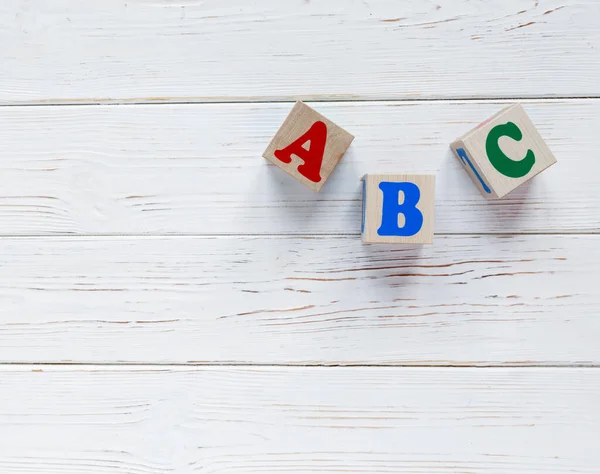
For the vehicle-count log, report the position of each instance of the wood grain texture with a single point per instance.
(274, 291)
(161, 50)
(522, 300)
(302, 420)
(197, 169)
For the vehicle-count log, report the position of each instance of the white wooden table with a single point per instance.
(170, 303)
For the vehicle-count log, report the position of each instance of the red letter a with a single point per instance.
(313, 157)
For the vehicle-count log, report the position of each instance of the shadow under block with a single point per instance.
(308, 146)
(503, 152)
(398, 208)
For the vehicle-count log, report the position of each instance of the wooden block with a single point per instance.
(398, 208)
(308, 146)
(503, 152)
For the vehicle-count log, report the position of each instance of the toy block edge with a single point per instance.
(479, 178)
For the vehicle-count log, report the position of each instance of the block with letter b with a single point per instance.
(503, 152)
(308, 146)
(398, 208)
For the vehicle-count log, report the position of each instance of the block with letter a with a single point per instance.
(398, 208)
(308, 146)
(503, 152)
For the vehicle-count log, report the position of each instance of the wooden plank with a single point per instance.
(523, 300)
(159, 50)
(197, 169)
(302, 420)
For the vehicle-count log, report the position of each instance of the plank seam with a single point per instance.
(106, 102)
(290, 235)
(292, 365)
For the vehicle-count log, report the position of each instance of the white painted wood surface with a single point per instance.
(99, 420)
(189, 50)
(197, 169)
(466, 300)
(151, 232)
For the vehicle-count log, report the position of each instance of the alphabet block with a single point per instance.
(308, 146)
(398, 208)
(503, 152)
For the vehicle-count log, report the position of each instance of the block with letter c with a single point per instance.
(503, 152)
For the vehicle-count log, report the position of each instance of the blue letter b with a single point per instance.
(413, 218)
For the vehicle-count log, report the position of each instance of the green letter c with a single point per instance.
(506, 166)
